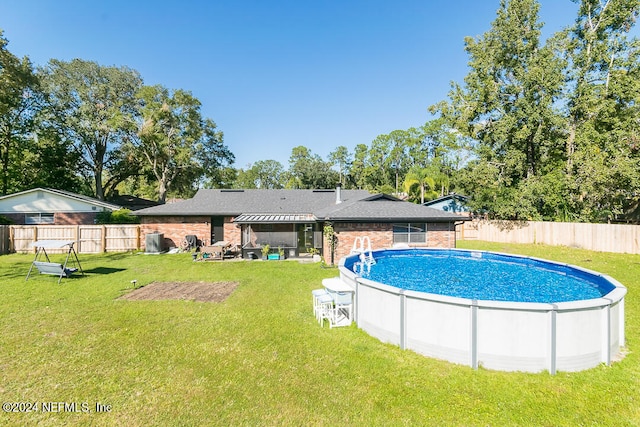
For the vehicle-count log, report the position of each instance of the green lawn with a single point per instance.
(260, 358)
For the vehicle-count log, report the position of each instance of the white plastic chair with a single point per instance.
(341, 313)
(322, 304)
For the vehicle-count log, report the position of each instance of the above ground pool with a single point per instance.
(478, 308)
(484, 276)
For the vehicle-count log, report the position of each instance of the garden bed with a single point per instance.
(192, 291)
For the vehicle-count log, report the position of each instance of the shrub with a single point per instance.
(5, 221)
(121, 216)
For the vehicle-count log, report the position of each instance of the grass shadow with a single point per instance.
(14, 274)
(104, 270)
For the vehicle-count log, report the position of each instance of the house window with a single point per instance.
(410, 233)
(38, 218)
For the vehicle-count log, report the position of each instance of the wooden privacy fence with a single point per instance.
(90, 239)
(4, 239)
(621, 238)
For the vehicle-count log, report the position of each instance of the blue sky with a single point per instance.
(275, 74)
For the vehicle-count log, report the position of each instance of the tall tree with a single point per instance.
(48, 162)
(262, 174)
(308, 170)
(246, 178)
(508, 102)
(419, 177)
(20, 98)
(340, 157)
(594, 43)
(379, 171)
(602, 153)
(212, 156)
(93, 108)
(440, 143)
(179, 147)
(356, 168)
(399, 155)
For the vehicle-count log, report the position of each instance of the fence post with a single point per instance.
(12, 236)
(104, 238)
(35, 238)
(4, 239)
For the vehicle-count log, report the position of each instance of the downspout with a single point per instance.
(455, 225)
(332, 236)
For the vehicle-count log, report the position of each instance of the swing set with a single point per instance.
(54, 268)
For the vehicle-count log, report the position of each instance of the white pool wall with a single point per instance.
(505, 336)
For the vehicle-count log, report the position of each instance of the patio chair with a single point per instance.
(324, 308)
(191, 241)
(319, 298)
(232, 251)
(341, 313)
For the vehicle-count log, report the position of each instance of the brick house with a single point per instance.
(51, 206)
(294, 220)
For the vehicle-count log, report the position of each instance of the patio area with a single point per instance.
(291, 240)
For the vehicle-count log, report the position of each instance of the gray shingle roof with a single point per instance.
(356, 205)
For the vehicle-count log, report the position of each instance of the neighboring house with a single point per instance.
(294, 220)
(50, 206)
(453, 203)
(132, 203)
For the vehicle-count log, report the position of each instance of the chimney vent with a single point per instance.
(338, 193)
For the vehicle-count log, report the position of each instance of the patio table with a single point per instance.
(335, 284)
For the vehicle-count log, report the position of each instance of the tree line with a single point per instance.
(416, 163)
(97, 130)
(554, 124)
(539, 129)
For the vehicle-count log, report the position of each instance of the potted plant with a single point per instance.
(315, 253)
(281, 252)
(265, 251)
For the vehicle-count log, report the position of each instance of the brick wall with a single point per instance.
(74, 218)
(60, 218)
(380, 234)
(439, 235)
(175, 228)
(232, 232)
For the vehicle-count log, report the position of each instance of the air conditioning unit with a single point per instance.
(154, 243)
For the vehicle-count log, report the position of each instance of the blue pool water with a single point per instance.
(483, 276)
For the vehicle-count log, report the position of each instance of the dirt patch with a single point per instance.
(192, 291)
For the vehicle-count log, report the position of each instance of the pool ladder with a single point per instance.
(362, 247)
